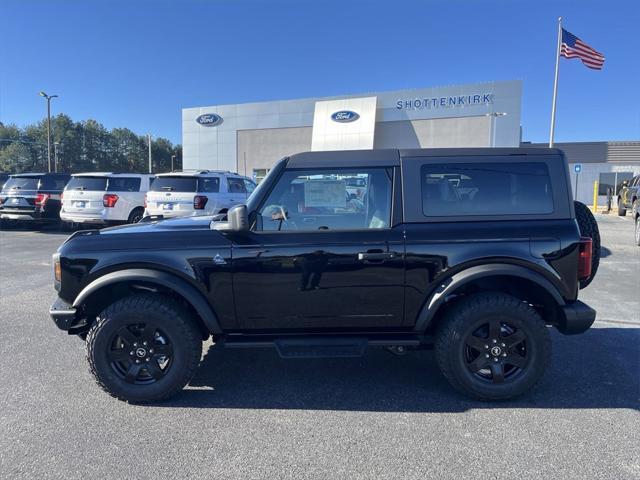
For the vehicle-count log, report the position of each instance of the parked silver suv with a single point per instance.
(199, 192)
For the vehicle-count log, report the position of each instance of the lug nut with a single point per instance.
(502, 344)
(486, 355)
(151, 350)
(135, 344)
(495, 359)
(144, 343)
(486, 346)
(146, 360)
(137, 361)
(131, 352)
(494, 341)
(504, 354)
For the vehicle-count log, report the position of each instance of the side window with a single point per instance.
(463, 189)
(235, 185)
(249, 186)
(311, 200)
(123, 184)
(209, 184)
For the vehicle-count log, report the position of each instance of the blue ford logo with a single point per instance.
(345, 116)
(209, 119)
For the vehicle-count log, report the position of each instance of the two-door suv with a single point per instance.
(475, 252)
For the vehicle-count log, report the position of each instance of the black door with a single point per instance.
(322, 257)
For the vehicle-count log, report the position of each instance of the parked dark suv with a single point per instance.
(32, 197)
(475, 252)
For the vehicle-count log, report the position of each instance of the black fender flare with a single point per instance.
(164, 279)
(447, 286)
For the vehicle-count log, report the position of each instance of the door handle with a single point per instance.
(374, 256)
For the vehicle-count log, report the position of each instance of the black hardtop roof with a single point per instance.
(391, 157)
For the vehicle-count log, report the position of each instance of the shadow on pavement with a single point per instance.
(599, 369)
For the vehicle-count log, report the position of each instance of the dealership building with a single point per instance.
(248, 138)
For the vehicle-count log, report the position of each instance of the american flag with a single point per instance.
(573, 47)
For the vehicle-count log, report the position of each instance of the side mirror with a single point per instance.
(238, 218)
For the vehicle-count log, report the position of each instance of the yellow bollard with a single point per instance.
(595, 197)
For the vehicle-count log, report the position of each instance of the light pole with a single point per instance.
(55, 156)
(173, 157)
(48, 97)
(150, 164)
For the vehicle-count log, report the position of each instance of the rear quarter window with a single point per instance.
(209, 184)
(486, 189)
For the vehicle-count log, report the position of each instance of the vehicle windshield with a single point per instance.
(174, 184)
(87, 183)
(22, 183)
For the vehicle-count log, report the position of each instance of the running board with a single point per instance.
(320, 346)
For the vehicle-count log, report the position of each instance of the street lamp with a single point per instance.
(48, 97)
(173, 157)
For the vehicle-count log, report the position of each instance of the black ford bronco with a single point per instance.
(472, 252)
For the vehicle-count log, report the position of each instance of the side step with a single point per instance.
(321, 346)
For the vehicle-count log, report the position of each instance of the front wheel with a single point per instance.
(492, 346)
(143, 348)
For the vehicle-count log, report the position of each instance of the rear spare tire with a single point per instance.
(589, 228)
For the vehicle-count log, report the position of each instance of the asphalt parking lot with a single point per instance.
(249, 414)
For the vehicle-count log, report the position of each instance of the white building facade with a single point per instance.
(249, 138)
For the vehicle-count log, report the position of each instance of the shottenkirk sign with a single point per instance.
(445, 102)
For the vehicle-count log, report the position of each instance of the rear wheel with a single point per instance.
(143, 348)
(589, 228)
(492, 346)
(136, 215)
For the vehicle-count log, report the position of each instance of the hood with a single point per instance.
(172, 234)
(200, 222)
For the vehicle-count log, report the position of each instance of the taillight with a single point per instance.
(109, 200)
(199, 201)
(585, 253)
(41, 199)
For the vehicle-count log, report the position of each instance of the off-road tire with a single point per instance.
(136, 215)
(172, 319)
(464, 317)
(589, 228)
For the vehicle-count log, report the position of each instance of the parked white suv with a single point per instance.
(201, 192)
(104, 198)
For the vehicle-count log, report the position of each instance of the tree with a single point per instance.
(16, 158)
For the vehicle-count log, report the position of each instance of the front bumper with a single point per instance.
(575, 317)
(63, 314)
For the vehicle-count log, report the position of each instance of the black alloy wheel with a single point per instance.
(141, 353)
(496, 352)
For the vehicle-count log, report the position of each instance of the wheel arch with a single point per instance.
(516, 280)
(118, 284)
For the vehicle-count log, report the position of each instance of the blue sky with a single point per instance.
(136, 63)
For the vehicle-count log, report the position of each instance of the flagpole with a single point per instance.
(555, 84)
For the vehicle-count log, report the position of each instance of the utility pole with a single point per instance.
(48, 97)
(173, 157)
(55, 156)
(150, 164)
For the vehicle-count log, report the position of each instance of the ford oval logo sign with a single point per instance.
(209, 119)
(345, 116)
